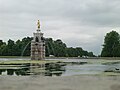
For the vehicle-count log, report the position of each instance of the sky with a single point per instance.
(78, 23)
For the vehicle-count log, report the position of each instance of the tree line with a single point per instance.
(53, 47)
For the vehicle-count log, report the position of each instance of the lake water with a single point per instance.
(68, 67)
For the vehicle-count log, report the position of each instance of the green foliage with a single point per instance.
(53, 47)
(15, 48)
(59, 49)
(78, 51)
(111, 47)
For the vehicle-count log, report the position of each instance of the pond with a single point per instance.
(67, 67)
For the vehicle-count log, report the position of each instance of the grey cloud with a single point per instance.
(77, 22)
(98, 12)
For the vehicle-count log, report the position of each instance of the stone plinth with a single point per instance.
(38, 46)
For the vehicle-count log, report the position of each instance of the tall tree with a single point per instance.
(111, 44)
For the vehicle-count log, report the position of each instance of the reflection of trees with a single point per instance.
(22, 71)
(54, 69)
(37, 69)
(10, 72)
(16, 71)
(2, 70)
(58, 74)
(48, 69)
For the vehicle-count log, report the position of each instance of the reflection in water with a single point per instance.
(36, 69)
(54, 69)
(48, 69)
(60, 69)
(17, 72)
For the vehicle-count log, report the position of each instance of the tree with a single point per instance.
(59, 48)
(56, 48)
(49, 48)
(79, 51)
(111, 44)
(1, 43)
(70, 52)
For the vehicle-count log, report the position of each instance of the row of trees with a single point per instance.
(111, 46)
(53, 47)
(59, 49)
(12, 48)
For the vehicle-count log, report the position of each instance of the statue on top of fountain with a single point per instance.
(38, 24)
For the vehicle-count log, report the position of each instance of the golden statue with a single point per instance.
(38, 24)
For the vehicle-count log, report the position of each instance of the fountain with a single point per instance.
(25, 49)
(38, 45)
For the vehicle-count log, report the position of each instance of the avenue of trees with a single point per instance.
(111, 46)
(53, 47)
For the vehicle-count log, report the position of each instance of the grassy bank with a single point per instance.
(27, 61)
(14, 56)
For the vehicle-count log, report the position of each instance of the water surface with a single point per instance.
(68, 67)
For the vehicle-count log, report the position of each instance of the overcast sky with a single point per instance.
(82, 23)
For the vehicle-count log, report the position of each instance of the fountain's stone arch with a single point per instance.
(38, 45)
